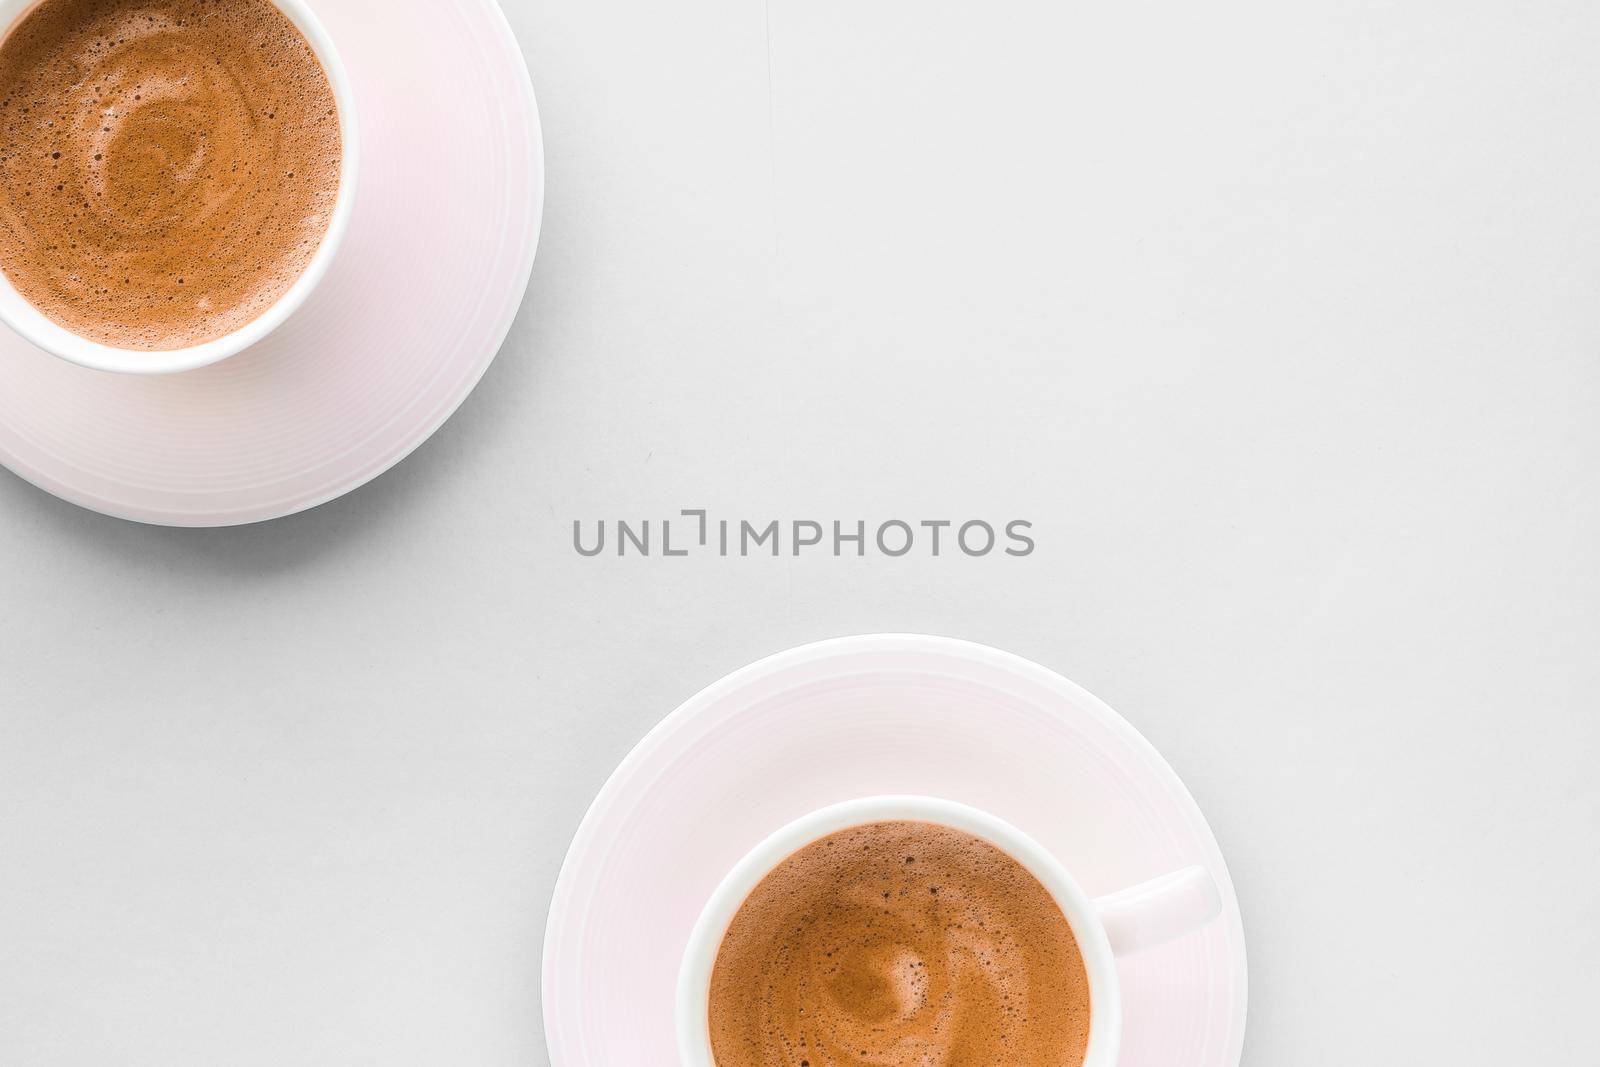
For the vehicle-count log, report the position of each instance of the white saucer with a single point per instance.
(421, 296)
(858, 717)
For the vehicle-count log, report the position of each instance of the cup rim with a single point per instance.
(694, 975)
(32, 324)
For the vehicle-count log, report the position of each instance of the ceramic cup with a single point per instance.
(57, 340)
(1141, 917)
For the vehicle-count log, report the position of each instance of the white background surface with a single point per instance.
(1278, 320)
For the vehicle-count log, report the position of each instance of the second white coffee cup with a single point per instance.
(1143, 916)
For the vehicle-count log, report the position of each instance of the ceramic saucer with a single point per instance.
(859, 717)
(415, 307)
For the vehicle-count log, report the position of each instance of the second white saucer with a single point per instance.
(859, 717)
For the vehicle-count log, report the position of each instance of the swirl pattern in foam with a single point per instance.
(168, 168)
(899, 944)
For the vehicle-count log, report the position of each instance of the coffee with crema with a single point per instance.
(899, 944)
(168, 168)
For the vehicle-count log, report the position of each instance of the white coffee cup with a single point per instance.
(1141, 917)
(32, 324)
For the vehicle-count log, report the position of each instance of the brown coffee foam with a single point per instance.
(168, 168)
(899, 944)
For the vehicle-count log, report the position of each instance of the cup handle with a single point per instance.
(1161, 910)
